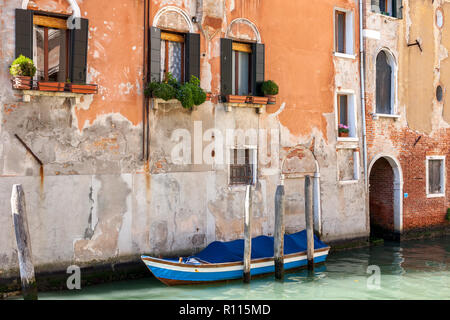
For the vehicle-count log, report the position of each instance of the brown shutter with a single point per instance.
(155, 54)
(257, 68)
(192, 63)
(226, 66)
(79, 47)
(24, 33)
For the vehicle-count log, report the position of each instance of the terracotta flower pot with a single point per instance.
(208, 96)
(51, 86)
(259, 100)
(22, 83)
(343, 134)
(272, 99)
(82, 88)
(236, 99)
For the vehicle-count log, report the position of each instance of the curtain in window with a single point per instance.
(434, 176)
(175, 59)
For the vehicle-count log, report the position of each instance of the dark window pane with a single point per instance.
(383, 84)
(340, 32)
(343, 109)
(434, 176)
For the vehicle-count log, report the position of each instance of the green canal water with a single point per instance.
(418, 269)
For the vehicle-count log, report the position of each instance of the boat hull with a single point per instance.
(173, 273)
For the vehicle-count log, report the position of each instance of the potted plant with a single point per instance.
(81, 88)
(259, 100)
(189, 94)
(236, 99)
(22, 71)
(270, 90)
(343, 130)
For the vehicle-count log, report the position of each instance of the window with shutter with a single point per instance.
(175, 53)
(346, 115)
(242, 68)
(59, 53)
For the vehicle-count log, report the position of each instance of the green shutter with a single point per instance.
(24, 33)
(257, 68)
(155, 54)
(79, 46)
(226, 66)
(192, 56)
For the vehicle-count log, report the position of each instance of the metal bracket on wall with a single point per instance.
(416, 44)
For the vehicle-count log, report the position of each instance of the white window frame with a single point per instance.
(352, 115)
(349, 34)
(356, 170)
(394, 87)
(443, 177)
(254, 154)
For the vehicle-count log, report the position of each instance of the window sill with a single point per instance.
(230, 105)
(436, 195)
(345, 55)
(27, 94)
(376, 116)
(345, 182)
(386, 16)
(349, 139)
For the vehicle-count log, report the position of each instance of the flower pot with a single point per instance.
(82, 88)
(343, 134)
(50, 86)
(271, 99)
(22, 83)
(259, 100)
(236, 99)
(208, 96)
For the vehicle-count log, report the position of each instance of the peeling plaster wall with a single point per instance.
(96, 201)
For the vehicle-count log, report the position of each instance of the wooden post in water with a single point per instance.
(309, 223)
(19, 215)
(279, 232)
(247, 233)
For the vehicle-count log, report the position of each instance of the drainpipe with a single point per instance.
(363, 92)
(75, 8)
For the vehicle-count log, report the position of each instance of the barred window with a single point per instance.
(242, 166)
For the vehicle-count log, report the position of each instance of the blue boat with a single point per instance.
(223, 261)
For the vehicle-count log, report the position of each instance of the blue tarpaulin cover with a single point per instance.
(262, 247)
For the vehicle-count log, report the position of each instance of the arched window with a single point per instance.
(384, 84)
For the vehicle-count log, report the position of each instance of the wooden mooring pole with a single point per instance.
(247, 234)
(279, 232)
(309, 223)
(19, 215)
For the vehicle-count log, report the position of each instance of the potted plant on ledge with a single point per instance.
(22, 71)
(343, 130)
(189, 94)
(270, 90)
(81, 88)
(236, 99)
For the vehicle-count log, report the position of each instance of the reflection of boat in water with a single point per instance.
(222, 261)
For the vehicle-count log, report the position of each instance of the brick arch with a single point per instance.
(246, 23)
(386, 193)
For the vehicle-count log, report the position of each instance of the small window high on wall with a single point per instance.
(392, 8)
(241, 68)
(343, 33)
(172, 55)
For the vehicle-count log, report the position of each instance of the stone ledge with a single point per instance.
(27, 94)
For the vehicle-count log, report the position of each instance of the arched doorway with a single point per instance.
(385, 198)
